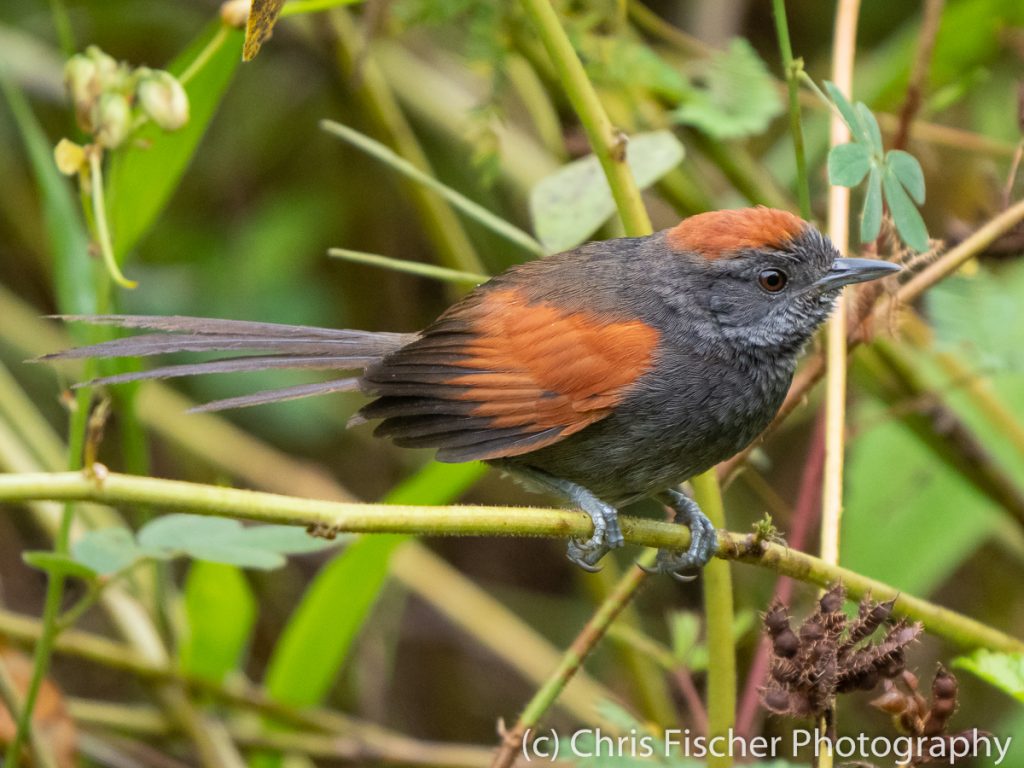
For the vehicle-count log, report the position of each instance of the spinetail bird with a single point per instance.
(605, 374)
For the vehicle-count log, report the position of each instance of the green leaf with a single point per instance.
(321, 631)
(908, 171)
(874, 133)
(930, 498)
(570, 204)
(848, 164)
(905, 215)
(848, 114)
(106, 550)
(220, 611)
(222, 540)
(58, 565)
(871, 215)
(1005, 671)
(72, 264)
(684, 629)
(145, 171)
(981, 320)
(318, 637)
(626, 63)
(739, 97)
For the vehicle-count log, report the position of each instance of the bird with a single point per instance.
(605, 374)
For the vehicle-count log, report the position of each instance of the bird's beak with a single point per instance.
(846, 271)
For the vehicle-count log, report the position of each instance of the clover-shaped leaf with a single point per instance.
(895, 176)
(213, 539)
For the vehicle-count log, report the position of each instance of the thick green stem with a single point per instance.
(481, 521)
(721, 641)
(609, 144)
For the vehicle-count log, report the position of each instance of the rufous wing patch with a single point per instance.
(720, 234)
(525, 375)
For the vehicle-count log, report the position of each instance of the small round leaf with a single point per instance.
(848, 164)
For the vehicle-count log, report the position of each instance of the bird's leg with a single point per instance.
(607, 534)
(703, 538)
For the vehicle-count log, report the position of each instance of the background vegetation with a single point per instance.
(412, 649)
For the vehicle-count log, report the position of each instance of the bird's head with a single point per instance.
(765, 277)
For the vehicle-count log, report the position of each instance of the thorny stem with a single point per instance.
(480, 521)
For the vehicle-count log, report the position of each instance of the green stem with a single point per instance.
(792, 69)
(99, 207)
(572, 660)
(54, 587)
(466, 520)
(608, 144)
(62, 23)
(359, 65)
(297, 7)
(410, 267)
(205, 55)
(472, 209)
(721, 640)
(11, 699)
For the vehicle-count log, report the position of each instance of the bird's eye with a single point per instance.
(772, 280)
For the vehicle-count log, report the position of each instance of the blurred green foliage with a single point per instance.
(232, 218)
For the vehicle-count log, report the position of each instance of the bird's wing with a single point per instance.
(498, 376)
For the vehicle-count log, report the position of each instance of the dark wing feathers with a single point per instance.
(499, 376)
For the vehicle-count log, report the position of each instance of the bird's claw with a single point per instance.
(685, 566)
(584, 555)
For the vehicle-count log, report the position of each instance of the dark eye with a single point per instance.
(772, 280)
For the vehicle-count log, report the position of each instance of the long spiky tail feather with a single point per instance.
(275, 346)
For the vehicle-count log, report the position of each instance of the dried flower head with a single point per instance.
(927, 721)
(830, 654)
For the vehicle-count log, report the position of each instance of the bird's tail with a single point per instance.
(264, 346)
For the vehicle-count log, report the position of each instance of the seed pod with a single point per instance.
(112, 120)
(161, 97)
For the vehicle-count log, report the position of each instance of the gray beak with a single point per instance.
(846, 271)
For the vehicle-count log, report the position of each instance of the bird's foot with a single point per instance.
(686, 565)
(607, 534)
